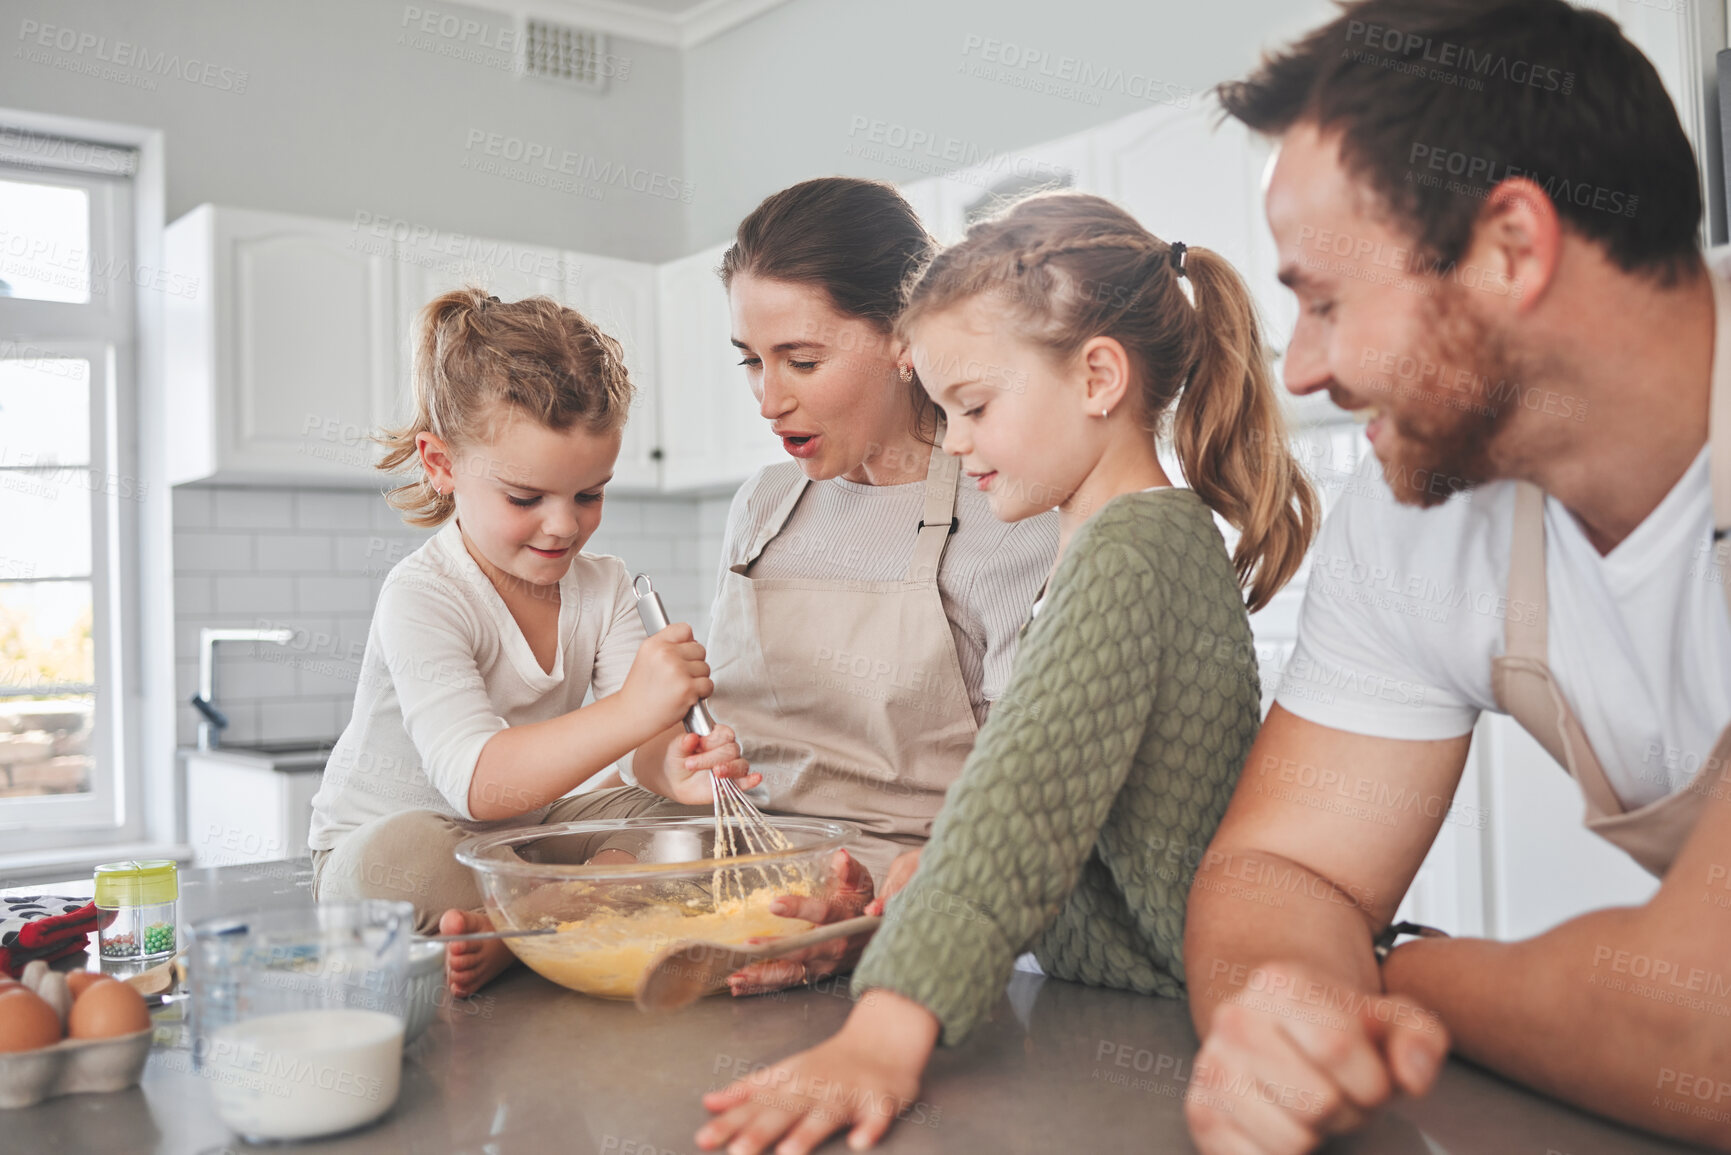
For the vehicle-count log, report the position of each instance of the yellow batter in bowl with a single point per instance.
(612, 919)
(607, 953)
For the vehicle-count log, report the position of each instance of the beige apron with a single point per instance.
(847, 695)
(1521, 680)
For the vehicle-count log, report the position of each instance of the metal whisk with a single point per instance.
(740, 827)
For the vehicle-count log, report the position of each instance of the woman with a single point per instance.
(869, 603)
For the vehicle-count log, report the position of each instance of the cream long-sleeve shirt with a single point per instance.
(446, 667)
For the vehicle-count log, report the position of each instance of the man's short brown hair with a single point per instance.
(1438, 101)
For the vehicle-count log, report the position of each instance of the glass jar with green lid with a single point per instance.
(135, 906)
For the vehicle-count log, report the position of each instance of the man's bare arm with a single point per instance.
(1625, 1012)
(1324, 834)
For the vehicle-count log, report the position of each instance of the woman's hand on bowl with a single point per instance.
(900, 873)
(692, 760)
(848, 896)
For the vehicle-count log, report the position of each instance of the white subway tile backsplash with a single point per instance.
(253, 509)
(192, 509)
(313, 559)
(240, 676)
(192, 593)
(667, 518)
(332, 510)
(294, 552)
(385, 517)
(621, 515)
(336, 594)
(286, 720)
(214, 552)
(253, 595)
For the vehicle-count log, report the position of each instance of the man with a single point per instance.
(1488, 212)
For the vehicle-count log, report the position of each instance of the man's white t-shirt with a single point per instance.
(1406, 607)
(446, 667)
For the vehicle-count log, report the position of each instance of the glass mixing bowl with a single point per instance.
(657, 883)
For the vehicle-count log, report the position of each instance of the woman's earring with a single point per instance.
(1103, 412)
(906, 373)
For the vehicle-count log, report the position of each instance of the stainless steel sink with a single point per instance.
(276, 749)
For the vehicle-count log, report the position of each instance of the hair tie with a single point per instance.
(1175, 253)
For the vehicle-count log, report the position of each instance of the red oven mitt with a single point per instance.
(42, 926)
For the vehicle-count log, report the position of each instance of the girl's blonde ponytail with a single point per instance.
(1230, 435)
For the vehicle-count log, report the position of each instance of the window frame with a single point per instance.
(135, 798)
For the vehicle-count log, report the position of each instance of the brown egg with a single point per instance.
(106, 1009)
(80, 981)
(26, 1022)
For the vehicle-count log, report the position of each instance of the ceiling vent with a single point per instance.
(574, 57)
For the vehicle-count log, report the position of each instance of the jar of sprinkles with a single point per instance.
(135, 908)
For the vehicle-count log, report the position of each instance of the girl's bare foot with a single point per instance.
(469, 966)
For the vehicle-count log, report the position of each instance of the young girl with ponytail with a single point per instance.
(1059, 341)
(469, 712)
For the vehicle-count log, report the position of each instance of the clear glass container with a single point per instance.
(297, 1015)
(135, 911)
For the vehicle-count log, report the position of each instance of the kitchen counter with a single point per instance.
(527, 1067)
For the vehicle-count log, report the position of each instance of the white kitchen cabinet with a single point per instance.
(620, 297)
(243, 807)
(282, 361)
(712, 435)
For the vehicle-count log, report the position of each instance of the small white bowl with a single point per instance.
(425, 988)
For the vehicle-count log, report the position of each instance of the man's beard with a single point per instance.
(1444, 433)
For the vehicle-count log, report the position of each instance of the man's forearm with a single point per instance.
(523, 768)
(1248, 909)
(1597, 1012)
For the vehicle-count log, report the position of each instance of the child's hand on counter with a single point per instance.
(862, 1079)
(690, 760)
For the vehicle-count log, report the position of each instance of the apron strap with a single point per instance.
(773, 524)
(1525, 635)
(938, 517)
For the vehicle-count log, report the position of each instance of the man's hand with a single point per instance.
(690, 761)
(1290, 1060)
(900, 873)
(848, 895)
(861, 1079)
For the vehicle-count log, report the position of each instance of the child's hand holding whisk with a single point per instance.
(668, 677)
(693, 762)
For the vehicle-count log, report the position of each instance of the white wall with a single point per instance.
(341, 113)
(782, 98)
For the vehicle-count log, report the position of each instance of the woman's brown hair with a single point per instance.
(475, 354)
(1069, 267)
(859, 241)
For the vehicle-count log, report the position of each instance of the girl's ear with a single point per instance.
(1106, 375)
(436, 460)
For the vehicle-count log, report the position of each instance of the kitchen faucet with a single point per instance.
(214, 721)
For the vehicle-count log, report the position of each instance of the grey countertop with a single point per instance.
(528, 1067)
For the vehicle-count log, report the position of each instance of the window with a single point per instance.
(68, 491)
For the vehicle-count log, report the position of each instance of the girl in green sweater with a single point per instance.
(1058, 338)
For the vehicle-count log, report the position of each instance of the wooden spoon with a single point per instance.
(158, 980)
(686, 971)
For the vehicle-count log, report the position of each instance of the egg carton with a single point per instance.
(71, 1067)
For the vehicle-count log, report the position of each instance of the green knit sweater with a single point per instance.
(1097, 781)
